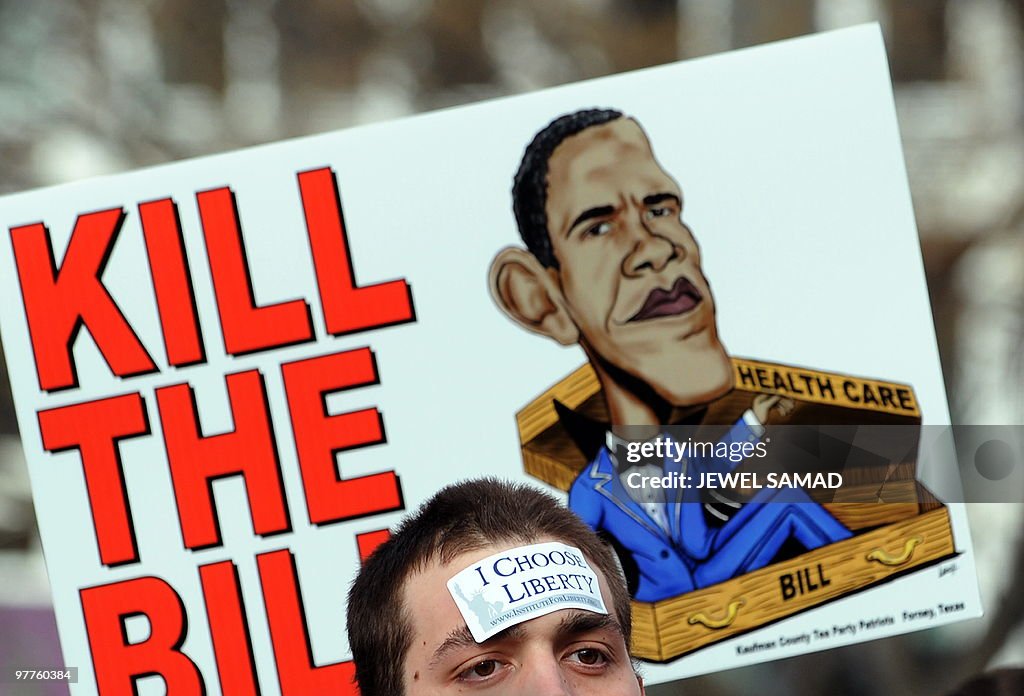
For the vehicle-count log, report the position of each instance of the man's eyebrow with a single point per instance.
(656, 198)
(461, 638)
(458, 638)
(581, 622)
(590, 213)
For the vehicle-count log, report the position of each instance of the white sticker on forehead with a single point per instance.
(523, 583)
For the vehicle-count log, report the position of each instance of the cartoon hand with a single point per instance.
(764, 403)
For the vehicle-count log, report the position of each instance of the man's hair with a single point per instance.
(530, 186)
(459, 519)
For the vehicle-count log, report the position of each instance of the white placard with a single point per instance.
(234, 374)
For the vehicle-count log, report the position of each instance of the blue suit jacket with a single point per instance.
(602, 501)
(666, 561)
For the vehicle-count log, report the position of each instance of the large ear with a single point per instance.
(528, 294)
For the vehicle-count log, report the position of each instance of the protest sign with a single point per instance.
(234, 375)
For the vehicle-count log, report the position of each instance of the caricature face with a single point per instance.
(565, 653)
(629, 268)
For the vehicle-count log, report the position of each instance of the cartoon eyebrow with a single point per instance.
(462, 638)
(589, 214)
(581, 622)
(656, 198)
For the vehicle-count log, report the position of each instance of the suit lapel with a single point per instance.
(606, 482)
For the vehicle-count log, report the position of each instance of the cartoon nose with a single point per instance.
(651, 251)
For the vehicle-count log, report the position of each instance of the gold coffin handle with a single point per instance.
(726, 621)
(885, 558)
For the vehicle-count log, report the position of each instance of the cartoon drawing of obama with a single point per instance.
(611, 266)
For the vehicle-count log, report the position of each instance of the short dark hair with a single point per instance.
(459, 519)
(530, 185)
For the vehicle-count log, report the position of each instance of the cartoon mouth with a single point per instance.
(679, 299)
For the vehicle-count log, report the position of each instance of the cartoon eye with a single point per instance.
(659, 211)
(598, 230)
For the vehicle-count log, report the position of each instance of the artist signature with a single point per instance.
(947, 570)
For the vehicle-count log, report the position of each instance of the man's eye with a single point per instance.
(598, 230)
(480, 671)
(660, 211)
(591, 657)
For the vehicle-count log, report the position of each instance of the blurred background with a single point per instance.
(91, 87)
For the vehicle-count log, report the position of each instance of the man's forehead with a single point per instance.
(611, 154)
(596, 144)
(431, 605)
(427, 587)
(622, 132)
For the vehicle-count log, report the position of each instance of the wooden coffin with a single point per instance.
(898, 525)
